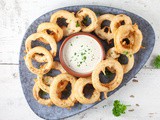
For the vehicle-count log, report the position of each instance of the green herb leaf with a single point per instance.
(85, 20)
(125, 52)
(84, 57)
(78, 65)
(77, 24)
(119, 108)
(156, 62)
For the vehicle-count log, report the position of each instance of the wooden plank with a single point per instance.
(17, 15)
(146, 93)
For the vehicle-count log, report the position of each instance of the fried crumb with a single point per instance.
(15, 75)
(131, 110)
(83, 116)
(132, 96)
(152, 113)
(134, 80)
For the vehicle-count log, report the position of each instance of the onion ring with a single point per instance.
(78, 91)
(48, 38)
(70, 19)
(131, 33)
(111, 63)
(36, 90)
(81, 14)
(51, 29)
(46, 67)
(111, 53)
(118, 21)
(45, 86)
(64, 103)
(101, 31)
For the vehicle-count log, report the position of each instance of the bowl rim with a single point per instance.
(69, 70)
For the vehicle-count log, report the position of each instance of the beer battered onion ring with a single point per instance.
(36, 90)
(111, 53)
(101, 31)
(51, 29)
(46, 67)
(111, 63)
(78, 91)
(64, 103)
(81, 14)
(48, 38)
(131, 33)
(71, 20)
(42, 80)
(119, 20)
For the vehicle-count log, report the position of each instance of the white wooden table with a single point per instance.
(17, 15)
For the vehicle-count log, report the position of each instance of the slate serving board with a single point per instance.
(26, 77)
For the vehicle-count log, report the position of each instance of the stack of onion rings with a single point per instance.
(51, 33)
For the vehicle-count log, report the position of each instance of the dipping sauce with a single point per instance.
(81, 53)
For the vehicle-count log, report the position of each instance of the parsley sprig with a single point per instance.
(119, 108)
(156, 62)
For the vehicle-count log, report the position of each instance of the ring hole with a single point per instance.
(62, 22)
(37, 64)
(106, 30)
(86, 21)
(122, 22)
(40, 43)
(123, 59)
(66, 92)
(106, 77)
(53, 72)
(126, 41)
(105, 23)
(88, 90)
(43, 94)
(50, 32)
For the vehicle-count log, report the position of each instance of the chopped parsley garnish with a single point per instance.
(71, 44)
(81, 45)
(156, 62)
(75, 53)
(119, 108)
(83, 53)
(130, 55)
(84, 57)
(78, 65)
(77, 24)
(85, 20)
(125, 52)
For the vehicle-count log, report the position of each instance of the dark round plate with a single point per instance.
(27, 77)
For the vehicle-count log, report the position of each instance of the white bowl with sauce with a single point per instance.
(80, 53)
